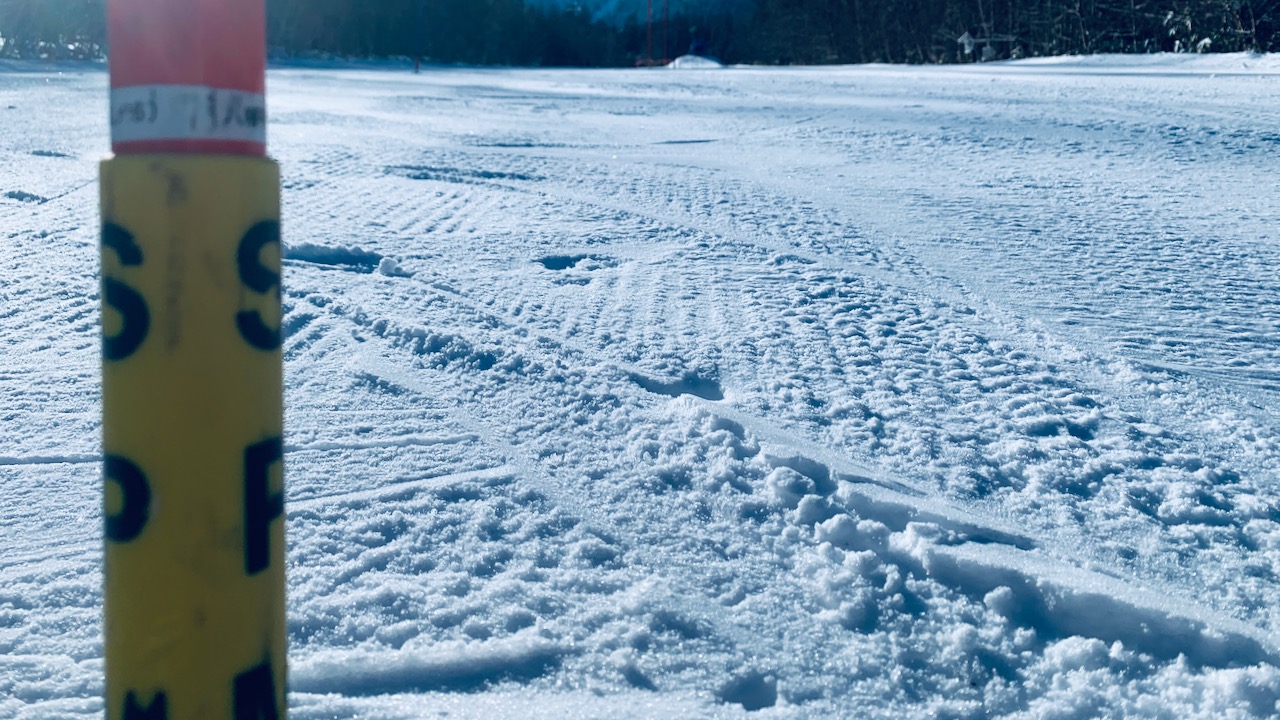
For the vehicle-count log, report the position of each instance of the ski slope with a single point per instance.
(885, 392)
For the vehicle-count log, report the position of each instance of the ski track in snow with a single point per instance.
(887, 392)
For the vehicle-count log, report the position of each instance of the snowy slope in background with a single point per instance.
(789, 393)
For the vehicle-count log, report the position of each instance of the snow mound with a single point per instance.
(695, 62)
(340, 256)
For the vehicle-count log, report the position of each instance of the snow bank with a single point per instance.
(694, 62)
(1155, 63)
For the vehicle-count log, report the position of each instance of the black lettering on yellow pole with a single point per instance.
(130, 304)
(157, 710)
(127, 525)
(260, 505)
(255, 694)
(260, 279)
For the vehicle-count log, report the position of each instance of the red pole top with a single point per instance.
(187, 76)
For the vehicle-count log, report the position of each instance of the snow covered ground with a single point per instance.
(784, 393)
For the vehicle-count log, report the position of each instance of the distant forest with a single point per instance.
(509, 32)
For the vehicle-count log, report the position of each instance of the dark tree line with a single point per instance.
(929, 31)
(509, 32)
(52, 28)
(502, 32)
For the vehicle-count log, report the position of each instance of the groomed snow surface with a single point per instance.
(886, 392)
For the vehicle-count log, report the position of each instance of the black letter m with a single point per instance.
(157, 710)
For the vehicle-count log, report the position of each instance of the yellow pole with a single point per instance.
(192, 381)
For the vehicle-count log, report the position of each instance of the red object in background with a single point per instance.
(187, 76)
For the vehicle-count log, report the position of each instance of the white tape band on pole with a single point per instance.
(187, 112)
